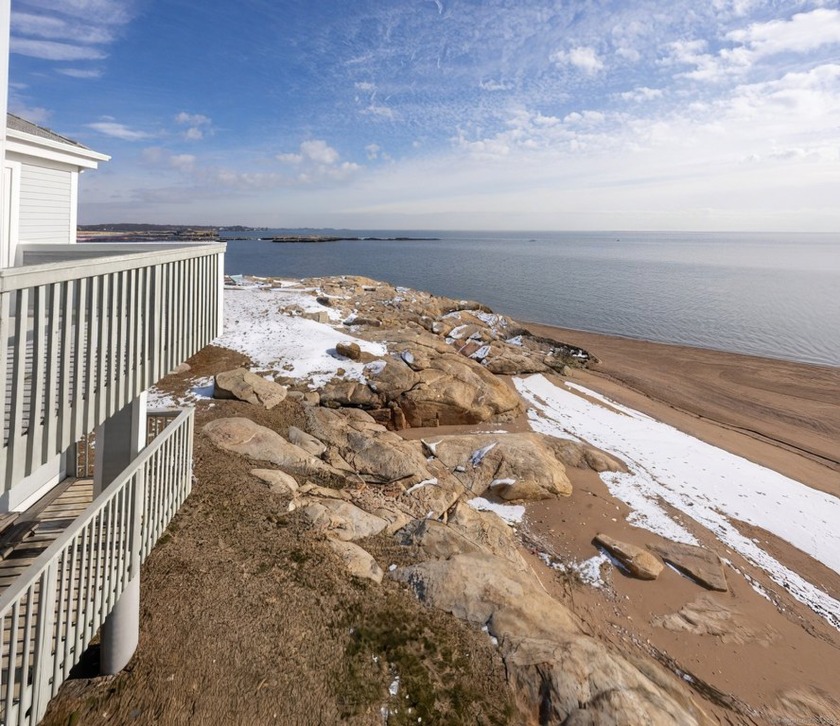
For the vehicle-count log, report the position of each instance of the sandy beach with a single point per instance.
(782, 415)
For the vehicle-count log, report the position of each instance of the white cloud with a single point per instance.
(50, 27)
(110, 12)
(365, 86)
(585, 58)
(80, 72)
(494, 86)
(52, 50)
(373, 151)
(317, 160)
(642, 93)
(193, 119)
(35, 114)
(119, 131)
(182, 162)
(803, 33)
(319, 151)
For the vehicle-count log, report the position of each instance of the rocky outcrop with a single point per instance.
(513, 466)
(638, 562)
(246, 386)
(258, 443)
(442, 367)
(561, 675)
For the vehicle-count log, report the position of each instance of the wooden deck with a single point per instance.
(32, 531)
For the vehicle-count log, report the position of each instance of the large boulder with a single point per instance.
(486, 590)
(457, 390)
(562, 675)
(514, 466)
(466, 530)
(249, 387)
(243, 436)
(377, 455)
(575, 681)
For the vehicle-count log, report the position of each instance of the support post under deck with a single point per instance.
(118, 441)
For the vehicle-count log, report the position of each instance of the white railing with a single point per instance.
(80, 339)
(50, 614)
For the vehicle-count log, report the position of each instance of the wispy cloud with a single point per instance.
(53, 50)
(119, 131)
(68, 30)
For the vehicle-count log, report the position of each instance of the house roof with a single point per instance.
(16, 123)
(30, 140)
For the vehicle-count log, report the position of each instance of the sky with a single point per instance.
(443, 114)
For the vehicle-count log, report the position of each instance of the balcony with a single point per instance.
(84, 330)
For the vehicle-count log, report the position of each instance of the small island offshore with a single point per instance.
(409, 508)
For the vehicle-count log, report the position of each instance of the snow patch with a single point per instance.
(510, 513)
(705, 483)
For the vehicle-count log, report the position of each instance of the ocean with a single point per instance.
(772, 295)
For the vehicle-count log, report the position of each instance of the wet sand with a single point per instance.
(770, 658)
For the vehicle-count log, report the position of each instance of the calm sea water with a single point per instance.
(766, 294)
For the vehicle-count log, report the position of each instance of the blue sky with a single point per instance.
(461, 114)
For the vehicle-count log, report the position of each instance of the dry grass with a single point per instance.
(247, 618)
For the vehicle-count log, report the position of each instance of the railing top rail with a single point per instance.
(113, 259)
(40, 564)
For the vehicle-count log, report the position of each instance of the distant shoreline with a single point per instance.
(317, 238)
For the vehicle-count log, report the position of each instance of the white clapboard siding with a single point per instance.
(46, 203)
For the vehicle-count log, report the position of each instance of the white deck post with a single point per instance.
(118, 441)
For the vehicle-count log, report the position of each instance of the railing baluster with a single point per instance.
(5, 299)
(38, 379)
(45, 633)
(65, 382)
(16, 463)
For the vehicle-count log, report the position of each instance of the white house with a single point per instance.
(85, 330)
(41, 181)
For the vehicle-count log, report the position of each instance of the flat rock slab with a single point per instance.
(249, 387)
(638, 562)
(699, 564)
(243, 436)
(707, 616)
(278, 481)
(343, 520)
